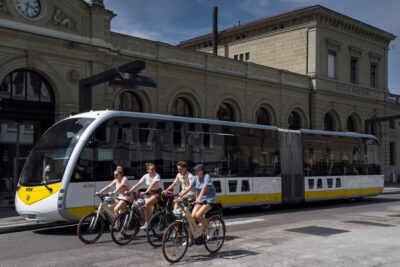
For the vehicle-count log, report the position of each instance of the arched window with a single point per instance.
(129, 101)
(226, 112)
(182, 107)
(263, 116)
(351, 125)
(328, 123)
(294, 120)
(26, 85)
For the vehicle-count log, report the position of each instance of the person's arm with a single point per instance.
(135, 186)
(106, 188)
(172, 186)
(204, 188)
(187, 190)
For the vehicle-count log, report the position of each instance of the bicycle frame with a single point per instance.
(196, 230)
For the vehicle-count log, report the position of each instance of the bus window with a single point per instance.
(232, 185)
(84, 168)
(372, 157)
(245, 186)
(217, 185)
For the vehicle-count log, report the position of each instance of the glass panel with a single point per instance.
(319, 183)
(338, 183)
(232, 184)
(45, 93)
(330, 182)
(245, 186)
(34, 84)
(310, 183)
(217, 185)
(18, 85)
(5, 87)
(51, 154)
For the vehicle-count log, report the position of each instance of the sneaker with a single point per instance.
(190, 243)
(210, 233)
(144, 226)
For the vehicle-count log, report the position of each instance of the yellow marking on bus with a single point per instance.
(80, 211)
(33, 194)
(249, 198)
(343, 192)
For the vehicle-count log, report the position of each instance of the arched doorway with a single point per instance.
(329, 124)
(182, 107)
(27, 110)
(263, 116)
(226, 112)
(294, 121)
(353, 123)
(129, 101)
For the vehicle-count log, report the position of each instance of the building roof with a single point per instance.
(278, 16)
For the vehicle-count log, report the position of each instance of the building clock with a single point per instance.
(29, 8)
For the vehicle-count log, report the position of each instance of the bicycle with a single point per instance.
(127, 224)
(92, 224)
(160, 220)
(176, 237)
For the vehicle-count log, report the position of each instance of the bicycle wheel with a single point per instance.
(90, 228)
(175, 242)
(214, 244)
(124, 228)
(155, 228)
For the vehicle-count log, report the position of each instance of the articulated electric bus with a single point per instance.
(250, 164)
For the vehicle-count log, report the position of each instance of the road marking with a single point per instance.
(244, 222)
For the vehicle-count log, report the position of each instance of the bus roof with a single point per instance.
(106, 114)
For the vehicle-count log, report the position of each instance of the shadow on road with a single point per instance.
(228, 255)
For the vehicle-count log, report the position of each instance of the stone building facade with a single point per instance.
(46, 50)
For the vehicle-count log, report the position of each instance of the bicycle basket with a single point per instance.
(109, 199)
(139, 202)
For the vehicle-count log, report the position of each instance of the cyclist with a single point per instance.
(205, 196)
(185, 179)
(121, 185)
(153, 192)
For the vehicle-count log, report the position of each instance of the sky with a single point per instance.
(172, 21)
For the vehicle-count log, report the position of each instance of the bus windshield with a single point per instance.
(49, 157)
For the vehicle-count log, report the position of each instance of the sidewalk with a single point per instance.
(10, 221)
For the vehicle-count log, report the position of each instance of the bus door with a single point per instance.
(291, 166)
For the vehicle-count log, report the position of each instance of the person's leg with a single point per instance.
(111, 206)
(200, 214)
(147, 207)
(120, 205)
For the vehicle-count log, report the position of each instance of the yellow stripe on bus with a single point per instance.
(249, 198)
(343, 193)
(33, 194)
(80, 211)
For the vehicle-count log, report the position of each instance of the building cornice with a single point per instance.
(292, 18)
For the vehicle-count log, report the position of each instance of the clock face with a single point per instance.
(28, 8)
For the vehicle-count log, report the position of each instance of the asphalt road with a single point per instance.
(338, 233)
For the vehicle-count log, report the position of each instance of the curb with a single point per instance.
(29, 226)
(391, 192)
